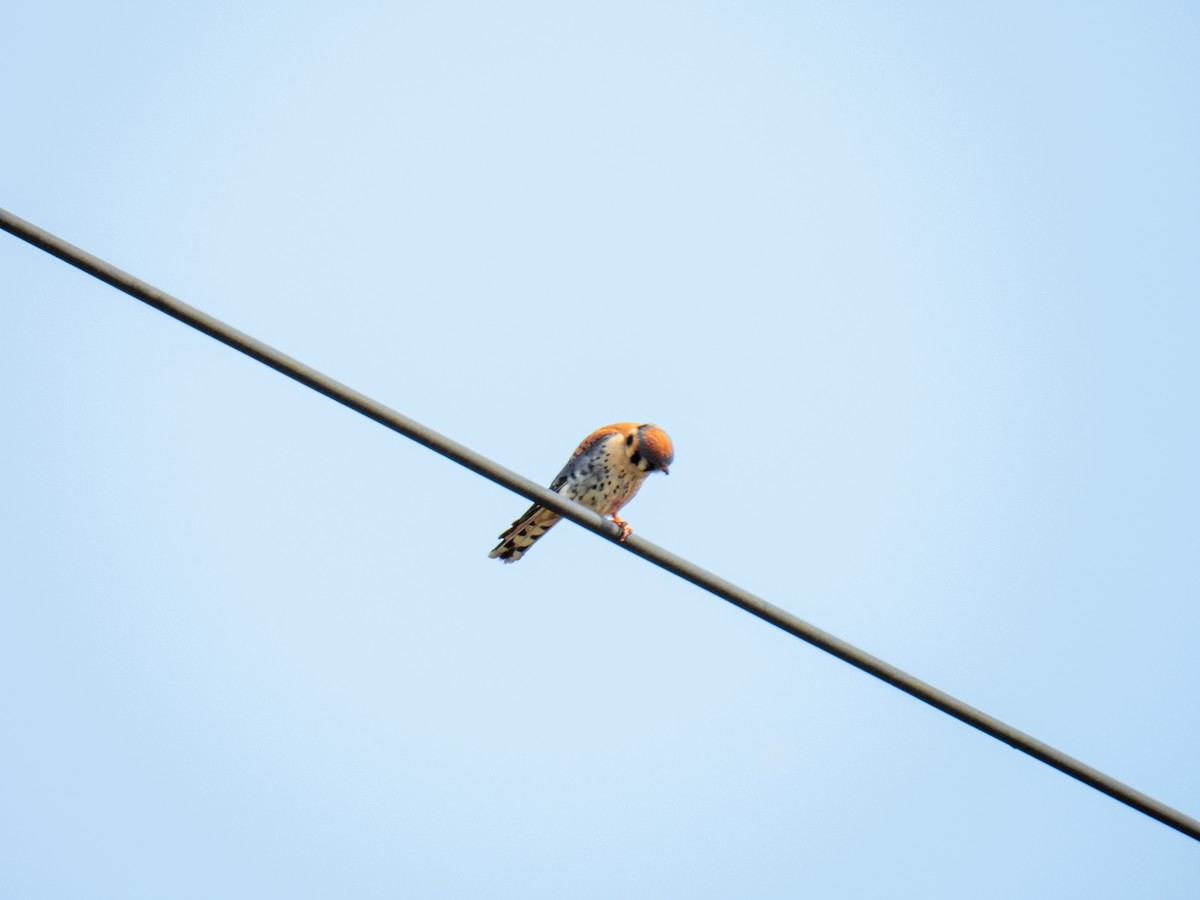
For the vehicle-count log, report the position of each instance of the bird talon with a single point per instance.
(626, 531)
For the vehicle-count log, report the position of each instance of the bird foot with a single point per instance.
(626, 531)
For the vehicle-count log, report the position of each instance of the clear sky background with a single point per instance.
(915, 288)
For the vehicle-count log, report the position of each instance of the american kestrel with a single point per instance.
(603, 474)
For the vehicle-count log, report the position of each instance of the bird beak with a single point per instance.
(664, 470)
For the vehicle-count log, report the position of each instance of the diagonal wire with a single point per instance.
(592, 521)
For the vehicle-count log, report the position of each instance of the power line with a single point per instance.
(590, 520)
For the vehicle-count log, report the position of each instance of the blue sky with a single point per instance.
(913, 289)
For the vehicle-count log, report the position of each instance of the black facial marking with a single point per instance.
(636, 457)
(629, 440)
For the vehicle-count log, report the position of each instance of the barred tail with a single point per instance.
(521, 536)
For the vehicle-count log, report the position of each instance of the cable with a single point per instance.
(592, 521)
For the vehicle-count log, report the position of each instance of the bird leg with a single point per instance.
(626, 531)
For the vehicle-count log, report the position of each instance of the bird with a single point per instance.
(603, 474)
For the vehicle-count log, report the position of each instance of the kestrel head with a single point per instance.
(649, 448)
